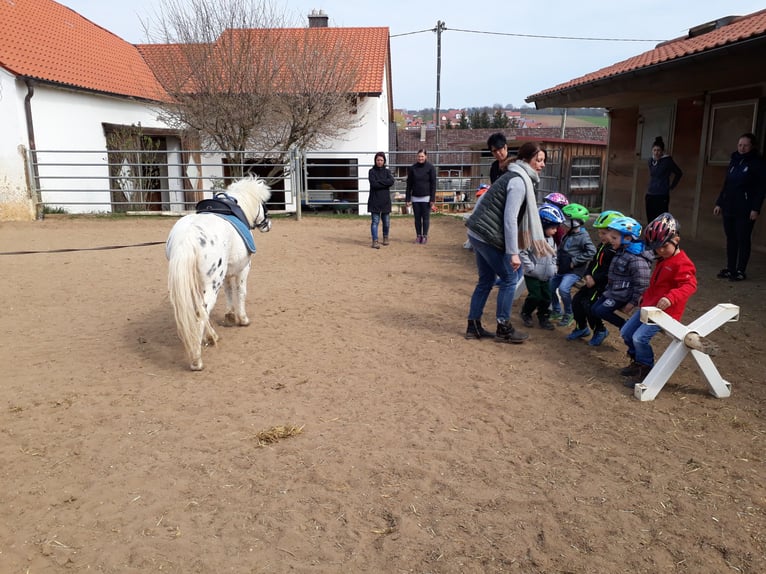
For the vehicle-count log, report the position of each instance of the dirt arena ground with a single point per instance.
(419, 451)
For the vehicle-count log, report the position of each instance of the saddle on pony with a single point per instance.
(223, 204)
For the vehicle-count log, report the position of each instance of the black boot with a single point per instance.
(507, 334)
(475, 330)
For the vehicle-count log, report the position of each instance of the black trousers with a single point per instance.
(422, 212)
(581, 304)
(738, 231)
(656, 205)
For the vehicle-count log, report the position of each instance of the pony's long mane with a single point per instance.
(250, 193)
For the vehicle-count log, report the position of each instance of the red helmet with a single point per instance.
(660, 231)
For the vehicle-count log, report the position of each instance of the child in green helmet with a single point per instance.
(574, 254)
(595, 282)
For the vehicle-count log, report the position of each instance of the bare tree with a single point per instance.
(243, 81)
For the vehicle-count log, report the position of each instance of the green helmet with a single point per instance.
(576, 211)
(606, 217)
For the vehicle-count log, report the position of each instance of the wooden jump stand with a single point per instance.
(686, 339)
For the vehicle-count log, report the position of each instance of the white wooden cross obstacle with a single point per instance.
(685, 339)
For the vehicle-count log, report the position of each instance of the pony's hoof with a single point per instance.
(244, 322)
(196, 366)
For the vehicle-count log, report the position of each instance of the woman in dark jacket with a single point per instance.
(739, 204)
(664, 176)
(379, 202)
(421, 194)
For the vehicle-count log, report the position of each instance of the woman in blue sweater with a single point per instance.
(739, 203)
(664, 176)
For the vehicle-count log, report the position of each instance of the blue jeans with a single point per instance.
(491, 263)
(637, 337)
(376, 217)
(564, 284)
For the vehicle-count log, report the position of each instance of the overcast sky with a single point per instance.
(491, 64)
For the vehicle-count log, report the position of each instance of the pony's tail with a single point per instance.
(185, 291)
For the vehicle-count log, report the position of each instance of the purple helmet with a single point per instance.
(557, 199)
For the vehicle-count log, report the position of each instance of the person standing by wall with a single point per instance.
(739, 203)
(379, 202)
(501, 225)
(421, 194)
(664, 176)
(498, 146)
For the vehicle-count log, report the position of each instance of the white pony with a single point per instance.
(206, 252)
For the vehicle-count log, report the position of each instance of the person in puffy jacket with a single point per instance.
(739, 204)
(628, 275)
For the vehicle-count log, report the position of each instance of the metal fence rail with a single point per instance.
(106, 181)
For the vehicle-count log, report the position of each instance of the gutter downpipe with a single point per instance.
(32, 148)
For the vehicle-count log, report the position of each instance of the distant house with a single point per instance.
(699, 92)
(68, 84)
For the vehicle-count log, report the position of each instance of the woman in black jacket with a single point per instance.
(739, 204)
(379, 202)
(421, 194)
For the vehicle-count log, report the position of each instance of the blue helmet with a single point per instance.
(550, 215)
(629, 228)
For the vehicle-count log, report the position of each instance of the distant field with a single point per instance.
(553, 121)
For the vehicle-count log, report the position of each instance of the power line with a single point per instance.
(540, 36)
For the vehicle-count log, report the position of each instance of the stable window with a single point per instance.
(727, 123)
(585, 175)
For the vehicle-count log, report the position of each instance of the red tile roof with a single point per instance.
(368, 46)
(740, 29)
(44, 40)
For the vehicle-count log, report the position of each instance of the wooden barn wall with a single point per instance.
(621, 160)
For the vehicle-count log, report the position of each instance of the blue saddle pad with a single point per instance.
(242, 229)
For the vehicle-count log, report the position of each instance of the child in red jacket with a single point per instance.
(673, 281)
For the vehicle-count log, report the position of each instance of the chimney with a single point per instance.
(318, 19)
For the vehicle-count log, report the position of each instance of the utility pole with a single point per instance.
(440, 27)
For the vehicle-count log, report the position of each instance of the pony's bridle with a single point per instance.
(265, 224)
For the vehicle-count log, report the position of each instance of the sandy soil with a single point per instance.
(419, 452)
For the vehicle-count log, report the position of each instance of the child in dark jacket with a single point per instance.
(574, 253)
(595, 283)
(628, 275)
(672, 283)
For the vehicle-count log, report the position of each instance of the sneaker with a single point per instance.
(424, 239)
(565, 321)
(546, 324)
(724, 274)
(527, 319)
(555, 316)
(598, 338)
(738, 276)
(578, 334)
(419, 239)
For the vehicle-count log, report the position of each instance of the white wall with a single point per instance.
(72, 121)
(15, 202)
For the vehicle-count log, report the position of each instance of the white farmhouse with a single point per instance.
(70, 89)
